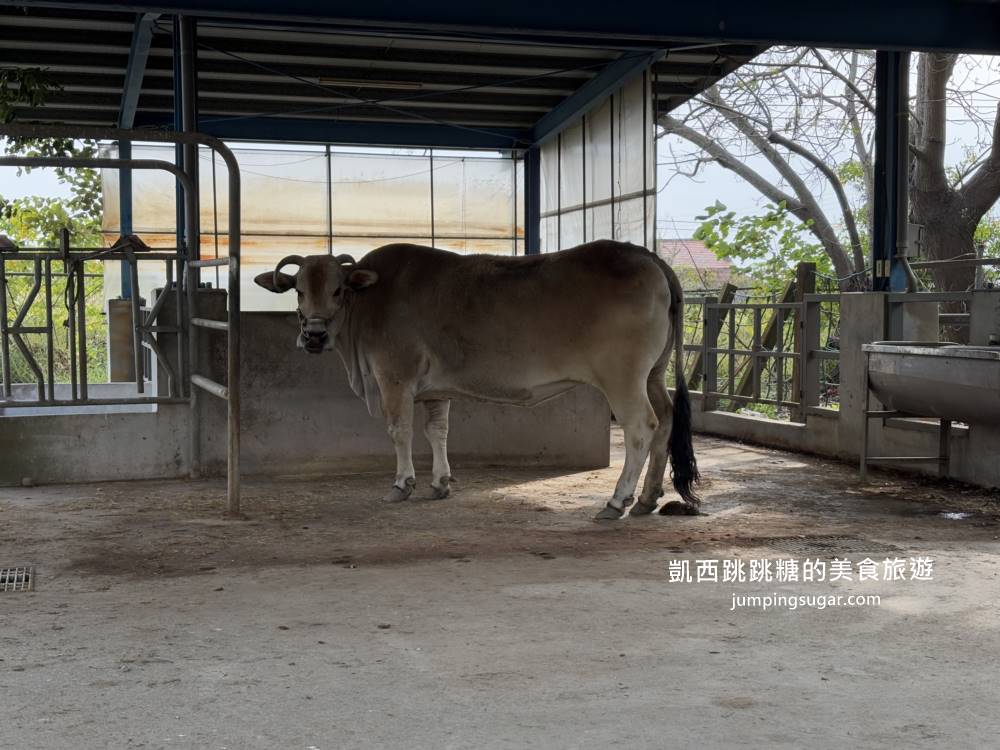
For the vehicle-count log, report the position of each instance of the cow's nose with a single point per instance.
(314, 335)
(315, 327)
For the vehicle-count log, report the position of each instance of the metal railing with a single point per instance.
(761, 353)
(782, 370)
(145, 328)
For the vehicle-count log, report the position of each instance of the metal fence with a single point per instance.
(751, 353)
(785, 354)
(68, 264)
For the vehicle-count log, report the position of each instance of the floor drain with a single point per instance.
(17, 579)
(820, 545)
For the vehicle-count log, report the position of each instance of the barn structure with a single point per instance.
(560, 101)
(573, 104)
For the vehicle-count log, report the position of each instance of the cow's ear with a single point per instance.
(267, 280)
(360, 278)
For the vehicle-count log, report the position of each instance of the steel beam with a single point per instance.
(929, 24)
(301, 130)
(612, 77)
(532, 201)
(889, 226)
(142, 38)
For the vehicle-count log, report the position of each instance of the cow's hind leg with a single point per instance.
(436, 430)
(638, 420)
(397, 403)
(652, 486)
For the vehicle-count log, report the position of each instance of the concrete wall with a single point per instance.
(298, 416)
(863, 319)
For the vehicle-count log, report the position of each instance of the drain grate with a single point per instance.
(17, 579)
(825, 544)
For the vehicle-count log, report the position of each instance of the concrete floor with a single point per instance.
(502, 617)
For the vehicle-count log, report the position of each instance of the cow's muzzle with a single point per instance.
(314, 338)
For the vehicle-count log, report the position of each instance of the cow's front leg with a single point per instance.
(436, 430)
(397, 402)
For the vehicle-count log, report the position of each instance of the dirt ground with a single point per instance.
(500, 617)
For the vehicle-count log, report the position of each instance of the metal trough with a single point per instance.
(949, 381)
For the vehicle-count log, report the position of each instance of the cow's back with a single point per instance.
(494, 322)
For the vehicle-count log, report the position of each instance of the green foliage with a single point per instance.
(851, 172)
(765, 248)
(36, 221)
(84, 184)
(20, 280)
(988, 234)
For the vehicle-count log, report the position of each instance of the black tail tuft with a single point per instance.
(683, 466)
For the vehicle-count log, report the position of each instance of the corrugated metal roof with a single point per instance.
(250, 70)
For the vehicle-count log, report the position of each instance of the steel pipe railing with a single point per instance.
(143, 330)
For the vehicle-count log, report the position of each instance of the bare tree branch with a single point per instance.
(728, 161)
(847, 81)
(819, 225)
(838, 189)
(860, 147)
(982, 189)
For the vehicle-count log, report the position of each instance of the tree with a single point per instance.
(36, 221)
(765, 249)
(798, 123)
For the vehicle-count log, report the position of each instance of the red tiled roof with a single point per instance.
(691, 254)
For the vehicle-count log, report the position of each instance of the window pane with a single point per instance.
(599, 223)
(571, 167)
(473, 197)
(571, 231)
(381, 194)
(549, 173)
(550, 234)
(629, 138)
(599, 153)
(629, 223)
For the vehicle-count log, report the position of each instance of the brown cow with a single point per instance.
(414, 324)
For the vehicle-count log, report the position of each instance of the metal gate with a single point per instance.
(183, 272)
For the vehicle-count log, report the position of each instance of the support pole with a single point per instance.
(184, 63)
(125, 211)
(890, 270)
(532, 201)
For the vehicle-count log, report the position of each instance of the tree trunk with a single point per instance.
(948, 230)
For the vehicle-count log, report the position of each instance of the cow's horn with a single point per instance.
(345, 260)
(286, 261)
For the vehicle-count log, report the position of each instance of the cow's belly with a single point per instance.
(496, 392)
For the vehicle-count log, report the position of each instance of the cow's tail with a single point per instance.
(683, 466)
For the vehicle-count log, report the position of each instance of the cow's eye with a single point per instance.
(337, 292)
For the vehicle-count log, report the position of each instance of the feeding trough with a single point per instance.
(950, 382)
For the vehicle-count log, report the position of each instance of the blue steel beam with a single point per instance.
(532, 201)
(899, 24)
(302, 130)
(613, 76)
(142, 38)
(890, 209)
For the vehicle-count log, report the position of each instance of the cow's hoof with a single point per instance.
(609, 513)
(641, 509)
(679, 508)
(399, 494)
(440, 493)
